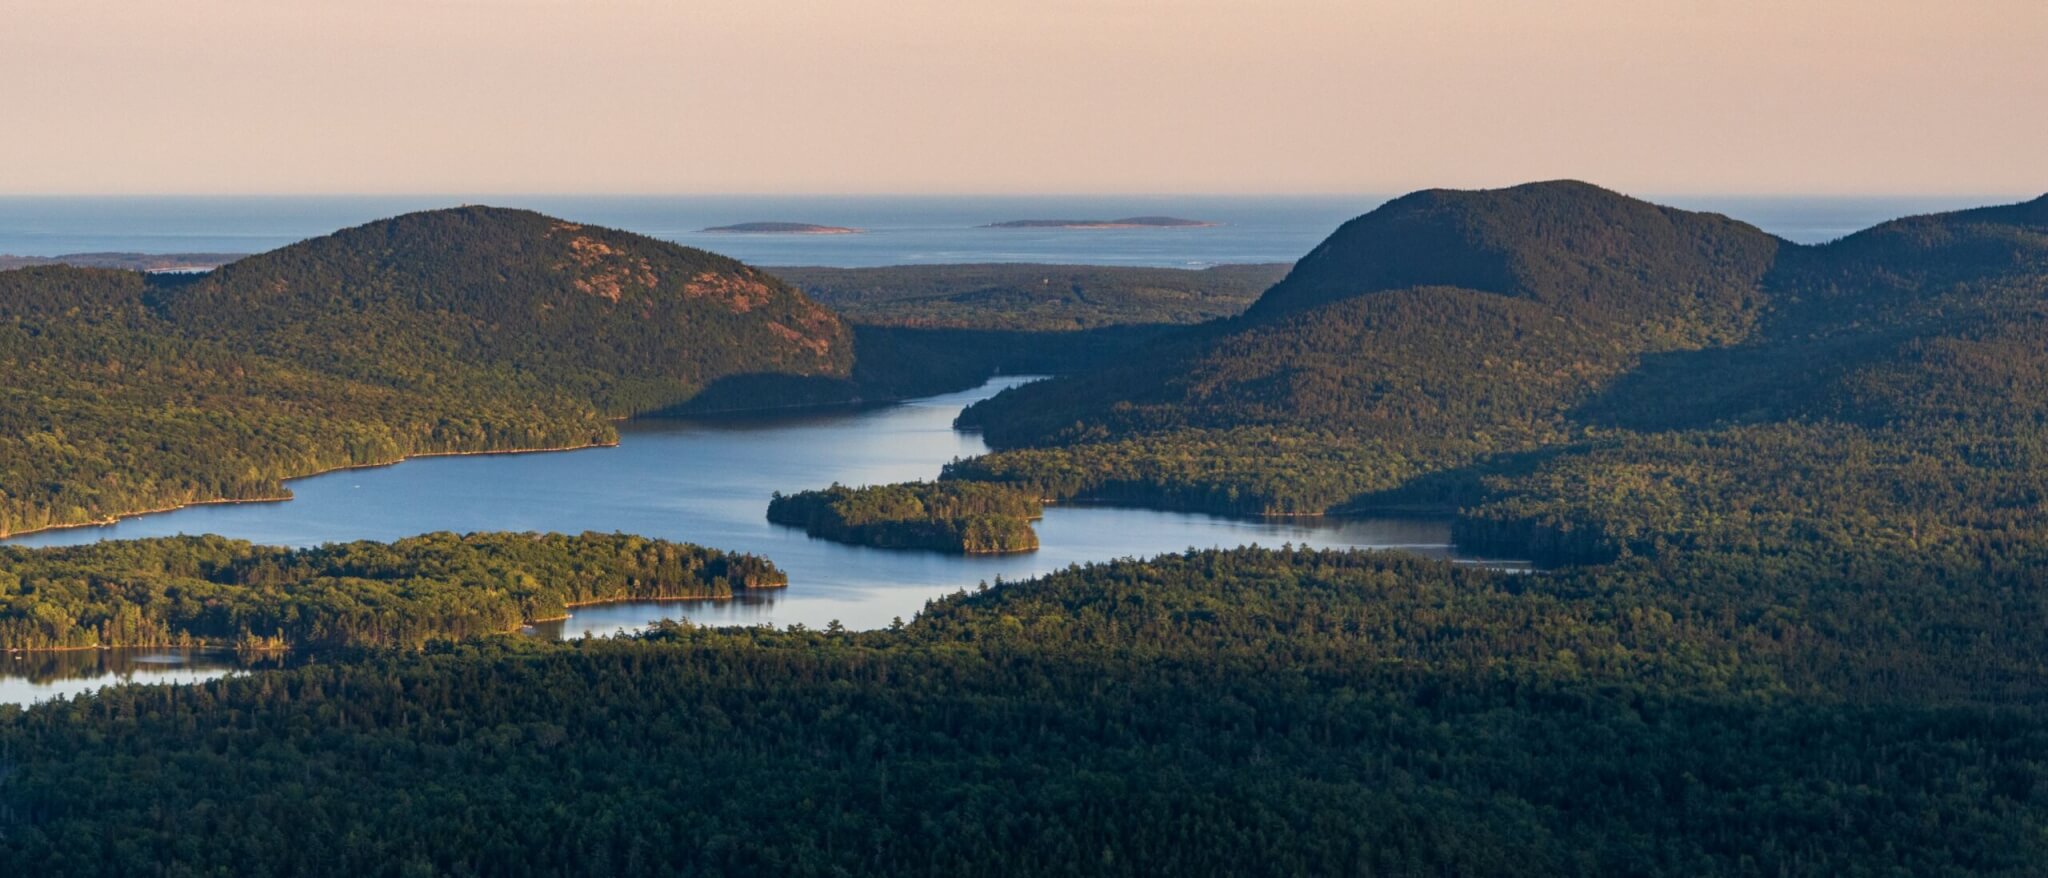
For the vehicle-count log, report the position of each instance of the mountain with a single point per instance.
(1585, 251)
(463, 330)
(1512, 354)
(1930, 317)
(1440, 300)
(628, 322)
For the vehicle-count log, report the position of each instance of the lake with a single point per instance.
(708, 482)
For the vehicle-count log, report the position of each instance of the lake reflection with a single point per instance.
(708, 482)
(30, 677)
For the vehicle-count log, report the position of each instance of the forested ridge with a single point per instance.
(921, 329)
(1235, 712)
(625, 322)
(108, 411)
(1587, 376)
(1032, 297)
(965, 517)
(471, 329)
(219, 592)
(485, 329)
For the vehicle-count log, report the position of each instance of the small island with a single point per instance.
(783, 229)
(1129, 222)
(969, 518)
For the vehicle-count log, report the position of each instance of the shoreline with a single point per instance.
(769, 411)
(598, 602)
(526, 626)
(522, 627)
(111, 520)
(18, 651)
(1033, 224)
(117, 518)
(660, 600)
(1421, 512)
(780, 231)
(673, 414)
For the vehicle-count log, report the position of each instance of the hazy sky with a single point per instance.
(1705, 96)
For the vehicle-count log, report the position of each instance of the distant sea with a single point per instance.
(897, 229)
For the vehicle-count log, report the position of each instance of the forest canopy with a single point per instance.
(472, 329)
(188, 591)
(1581, 376)
(1246, 712)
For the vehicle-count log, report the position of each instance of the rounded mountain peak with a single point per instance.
(643, 323)
(1564, 242)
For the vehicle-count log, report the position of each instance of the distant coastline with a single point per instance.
(146, 262)
(1129, 222)
(781, 228)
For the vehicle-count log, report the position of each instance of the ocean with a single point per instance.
(897, 230)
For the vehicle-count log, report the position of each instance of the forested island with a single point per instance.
(780, 228)
(210, 591)
(963, 517)
(1129, 222)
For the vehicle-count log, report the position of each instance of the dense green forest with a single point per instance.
(1030, 297)
(1789, 501)
(620, 322)
(1212, 713)
(108, 410)
(216, 591)
(966, 517)
(483, 329)
(923, 329)
(1583, 376)
(462, 330)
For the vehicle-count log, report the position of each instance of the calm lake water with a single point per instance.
(898, 230)
(706, 482)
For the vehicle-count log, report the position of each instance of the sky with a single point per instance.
(1021, 96)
